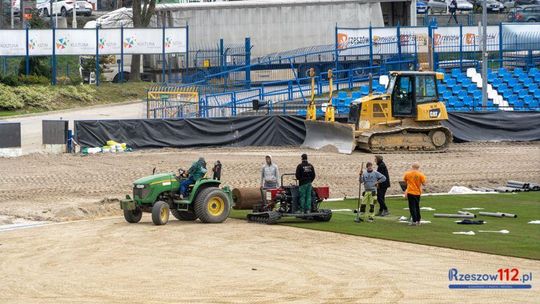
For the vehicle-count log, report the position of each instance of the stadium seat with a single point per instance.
(512, 100)
(447, 95)
(356, 95)
(518, 71)
(450, 82)
(364, 90)
(342, 95)
(472, 88)
(533, 72)
(462, 95)
(523, 93)
(455, 72)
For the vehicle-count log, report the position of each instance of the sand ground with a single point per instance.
(111, 261)
(101, 259)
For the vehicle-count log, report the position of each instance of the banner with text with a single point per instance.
(85, 41)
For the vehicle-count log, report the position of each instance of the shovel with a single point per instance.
(500, 231)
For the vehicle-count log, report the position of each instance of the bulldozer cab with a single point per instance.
(410, 89)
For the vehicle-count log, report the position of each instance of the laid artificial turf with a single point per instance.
(522, 241)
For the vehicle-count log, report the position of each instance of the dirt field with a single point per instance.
(67, 187)
(110, 261)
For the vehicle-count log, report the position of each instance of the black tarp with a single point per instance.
(271, 130)
(494, 126)
(281, 130)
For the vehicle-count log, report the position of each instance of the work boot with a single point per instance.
(385, 213)
(380, 213)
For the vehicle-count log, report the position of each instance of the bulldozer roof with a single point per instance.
(440, 76)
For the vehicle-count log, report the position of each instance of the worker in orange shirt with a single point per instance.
(415, 180)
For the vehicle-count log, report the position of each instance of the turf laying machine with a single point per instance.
(158, 194)
(285, 202)
(406, 118)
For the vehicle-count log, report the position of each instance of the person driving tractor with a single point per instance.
(195, 172)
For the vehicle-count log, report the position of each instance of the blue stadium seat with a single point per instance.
(537, 94)
(477, 94)
(364, 90)
(523, 93)
(502, 71)
(455, 72)
(518, 71)
(533, 71)
(342, 95)
(462, 78)
(519, 105)
(462, 95)
(512, 100)
(301, 112)
(447, 95)
(511, 82)
(456, 89)
(450, 82)
(472, 88)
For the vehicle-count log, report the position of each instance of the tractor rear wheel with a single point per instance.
(133, 216)
(212, 205)
(184, 215)
(160, 213)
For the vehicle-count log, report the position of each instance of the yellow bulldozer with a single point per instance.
(407, 117)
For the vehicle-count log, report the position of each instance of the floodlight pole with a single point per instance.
(484, 54)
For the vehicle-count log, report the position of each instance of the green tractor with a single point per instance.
(158, 194)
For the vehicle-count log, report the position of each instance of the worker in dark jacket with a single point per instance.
(195, 172)
(305, 174)
(381, 191)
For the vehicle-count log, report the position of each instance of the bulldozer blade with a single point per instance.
(320, 134)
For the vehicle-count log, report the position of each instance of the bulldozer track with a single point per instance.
(364, 140)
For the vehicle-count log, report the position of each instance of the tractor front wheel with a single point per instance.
(160, 213)
(133, 216)
(184, 215)
(212, 205)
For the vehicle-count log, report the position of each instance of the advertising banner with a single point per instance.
(447, 39)
(175, 40)
(410, 35)
(150, 41)
(12, 42)
(110, 41)
(353, 41)
(40, 42)
(385, 40)
(75, 42)
(83, 41)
